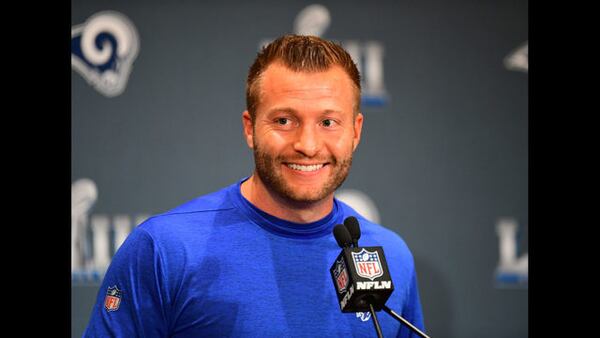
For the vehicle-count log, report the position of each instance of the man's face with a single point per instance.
(304, 132)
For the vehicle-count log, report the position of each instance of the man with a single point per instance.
(253, 258)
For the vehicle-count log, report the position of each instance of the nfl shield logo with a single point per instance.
(113, 299)
(341, 275)
(367, 264)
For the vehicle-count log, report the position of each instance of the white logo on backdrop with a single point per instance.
(511, 270)
(103, 50)
(94, 237)
(368, 55)
(83, 197)
(360, 202)
(312, 20)
(518, 59)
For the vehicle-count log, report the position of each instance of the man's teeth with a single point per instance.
(305, 167)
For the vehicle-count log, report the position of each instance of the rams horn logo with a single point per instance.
(103, 50)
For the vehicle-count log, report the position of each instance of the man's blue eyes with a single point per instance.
(285, 121)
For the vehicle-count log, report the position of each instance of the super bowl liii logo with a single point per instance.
(368, 55)
(103, 50)
(94, 237)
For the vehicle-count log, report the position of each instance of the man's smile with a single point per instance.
(305, 167)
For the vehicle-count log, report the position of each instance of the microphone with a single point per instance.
(351, 224)
(342, 236)
(361, 276)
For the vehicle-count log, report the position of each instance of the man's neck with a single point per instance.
(260, 196)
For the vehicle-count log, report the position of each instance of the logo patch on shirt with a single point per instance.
(364, 316)
(367, 264)
(113, 299)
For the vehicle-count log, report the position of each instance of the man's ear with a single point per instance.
(358, 123)
(248, 129)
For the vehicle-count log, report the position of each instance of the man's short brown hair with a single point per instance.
(300, 53)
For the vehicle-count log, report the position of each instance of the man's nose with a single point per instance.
(308, 141)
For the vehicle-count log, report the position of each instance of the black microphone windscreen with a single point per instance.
(342, 236)
(351, 224)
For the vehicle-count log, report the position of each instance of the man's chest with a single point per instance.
(266, 299)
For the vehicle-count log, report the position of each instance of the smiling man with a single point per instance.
(303, 134)
(253, 258)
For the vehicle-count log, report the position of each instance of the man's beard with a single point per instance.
(268, 169)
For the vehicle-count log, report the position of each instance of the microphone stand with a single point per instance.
(355, 235)
(404, 321)
(375, 321)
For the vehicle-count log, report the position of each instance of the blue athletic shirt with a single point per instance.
(217, 266)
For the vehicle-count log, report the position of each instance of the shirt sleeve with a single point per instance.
(132, 299)
(412, 311)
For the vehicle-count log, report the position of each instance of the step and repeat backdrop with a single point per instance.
(158, 89)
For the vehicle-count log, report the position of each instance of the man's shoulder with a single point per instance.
(211, 202)
(198, 212)
(375, 234)
(382, 235)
